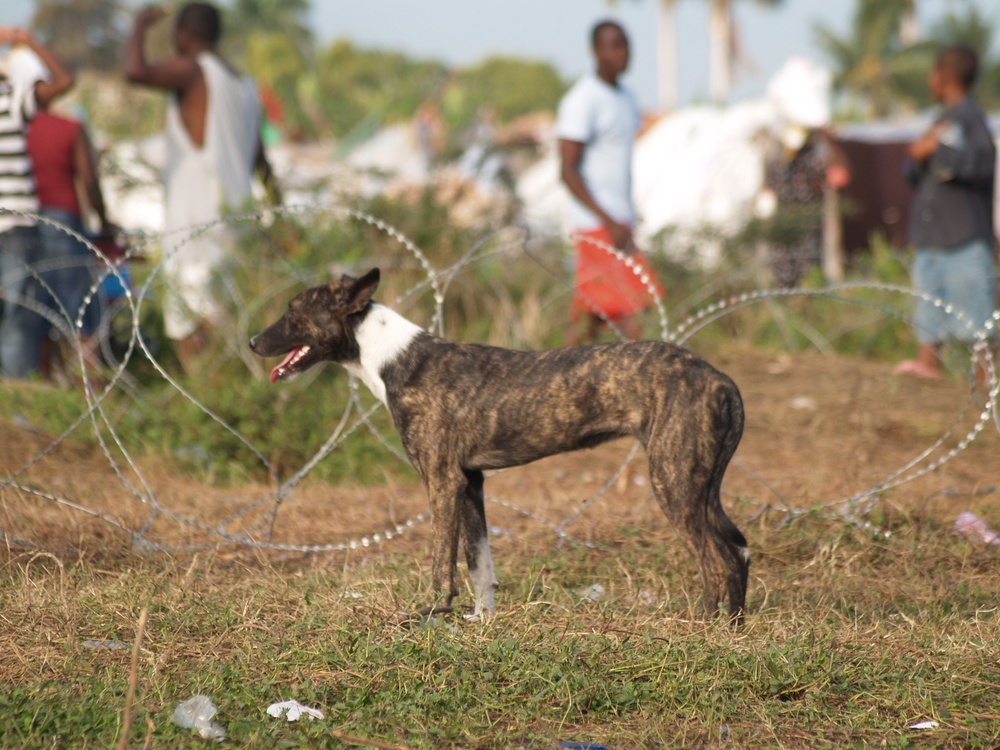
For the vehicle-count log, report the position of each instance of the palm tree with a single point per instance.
(720, 36)
(872, 62)
(720, 40)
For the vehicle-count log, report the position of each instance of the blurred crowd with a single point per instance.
(612, 185)
(50, 192)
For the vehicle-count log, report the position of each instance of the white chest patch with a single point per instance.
(382, 336)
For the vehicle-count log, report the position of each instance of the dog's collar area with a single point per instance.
(382, 336)
(288, 364)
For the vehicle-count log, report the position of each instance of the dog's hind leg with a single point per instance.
(687, 462)
(684, 498)
(477, 545)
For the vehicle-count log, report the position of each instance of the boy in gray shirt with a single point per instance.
(951, 168)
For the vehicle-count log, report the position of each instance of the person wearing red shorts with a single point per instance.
(597, 122)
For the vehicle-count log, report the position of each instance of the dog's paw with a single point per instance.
(482, 616)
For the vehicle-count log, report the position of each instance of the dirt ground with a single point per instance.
(818, 429)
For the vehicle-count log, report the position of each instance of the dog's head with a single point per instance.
(317, 326)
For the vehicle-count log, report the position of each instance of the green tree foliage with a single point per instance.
(880, 75)
(276, 62)
(506, 87)
(287, 18)
(358, 85)
(271, 39)
(84, 33)
(873, 68)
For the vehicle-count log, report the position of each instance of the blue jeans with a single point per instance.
(963, 277)
(20, 329)
(66, 266)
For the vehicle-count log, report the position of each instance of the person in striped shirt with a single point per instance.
(22, 89)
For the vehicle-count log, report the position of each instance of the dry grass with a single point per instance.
(851, 639)
(852, 635)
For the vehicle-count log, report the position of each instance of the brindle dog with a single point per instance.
(462, 409)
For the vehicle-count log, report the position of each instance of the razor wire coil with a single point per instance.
(259, 534)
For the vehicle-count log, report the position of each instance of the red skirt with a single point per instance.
(604, 284)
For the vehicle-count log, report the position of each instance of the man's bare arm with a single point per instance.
(60, 79)
(85, 169)
(175, 74)
(570, 155)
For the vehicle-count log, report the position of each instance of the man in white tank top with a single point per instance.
(213, 148)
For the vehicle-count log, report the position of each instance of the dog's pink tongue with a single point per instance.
(277, 370)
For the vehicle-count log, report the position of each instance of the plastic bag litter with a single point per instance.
(594, 592)
(646, 598)
(197, 713)
(973, 528)
(925, 725)
(568, 745)
(293, 711)
(111, 645)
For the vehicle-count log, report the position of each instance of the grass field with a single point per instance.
(850, 640)
(853, 633)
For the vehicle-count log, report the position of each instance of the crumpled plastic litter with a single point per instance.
(646, 598)
(293, 711)
(594, 592)
(568, 745)
(925, 725)
(110, 645)
(973, 528)
(196, 713)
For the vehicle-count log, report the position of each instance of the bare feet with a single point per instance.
(927, 364)
(917, 368)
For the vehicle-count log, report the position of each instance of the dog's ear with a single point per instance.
(361, 291)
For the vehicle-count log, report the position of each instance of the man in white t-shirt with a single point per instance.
(597, 124)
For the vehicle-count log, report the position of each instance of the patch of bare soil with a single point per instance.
(819, 428)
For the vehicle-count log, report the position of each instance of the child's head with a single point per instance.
(954, 72)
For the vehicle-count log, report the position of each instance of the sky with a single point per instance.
(466, 31)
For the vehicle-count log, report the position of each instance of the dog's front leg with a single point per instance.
(446, 493)
(477, 545)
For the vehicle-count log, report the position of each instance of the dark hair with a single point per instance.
(595, 33)
(961, 63)
(202, 21)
